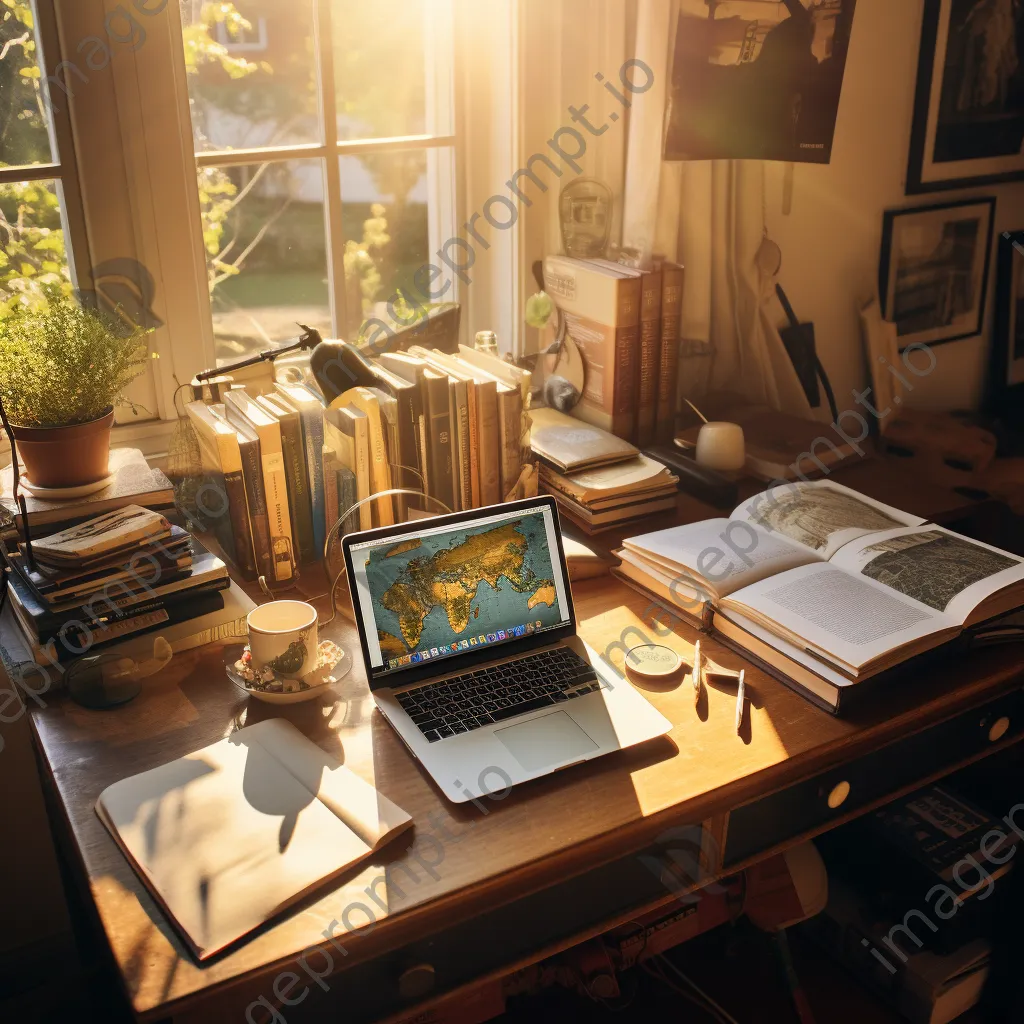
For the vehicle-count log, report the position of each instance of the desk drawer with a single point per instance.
(812, 804)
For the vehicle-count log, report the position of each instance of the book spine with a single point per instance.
(490, 444)
(650, 357)
(668, 367)
(276, 485)
(362, 474)
(345, 482)
(244, 556)
(313, 440)
(329, 467)
(256, 500)
(465, 466)
(510, 409)
(297, 480)
(380, 473)
(440, 443)
(474, 446)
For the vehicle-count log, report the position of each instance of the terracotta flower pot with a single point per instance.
(66, 456)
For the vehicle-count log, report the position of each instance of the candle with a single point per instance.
(720, 446)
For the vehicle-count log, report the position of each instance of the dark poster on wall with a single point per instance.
(757, 79)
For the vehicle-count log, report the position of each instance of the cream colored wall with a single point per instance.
(831, 240)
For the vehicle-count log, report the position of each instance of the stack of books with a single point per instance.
(112, 578)
(278, 470)
(599, 481)
(831, 591)
(132, 480)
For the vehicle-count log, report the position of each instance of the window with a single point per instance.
(41, 223)
(323, 135)
(242, 39)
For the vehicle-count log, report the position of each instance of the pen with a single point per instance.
(697, 673)
(741, 699)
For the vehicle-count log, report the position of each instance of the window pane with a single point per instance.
(386, 218)
(251, 72)
(391, 68)
(24, 113)
(33, 262)
(263, 228)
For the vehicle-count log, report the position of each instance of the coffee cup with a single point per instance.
(283, 637)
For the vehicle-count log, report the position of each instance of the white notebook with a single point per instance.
(231, 835)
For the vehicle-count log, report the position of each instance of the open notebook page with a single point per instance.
(722, 553)
(936, 568)
(850, 620)
(820, 515)
(227, 837)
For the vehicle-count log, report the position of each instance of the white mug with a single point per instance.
(283, 637)
(720, 446)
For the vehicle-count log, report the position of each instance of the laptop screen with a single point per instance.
(458, 588)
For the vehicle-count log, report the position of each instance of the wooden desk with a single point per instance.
(477, 892)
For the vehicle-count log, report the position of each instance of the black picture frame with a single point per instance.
(944, 124)
(939, 277)
(1005, 391)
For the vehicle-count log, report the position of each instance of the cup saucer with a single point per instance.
(333, 664)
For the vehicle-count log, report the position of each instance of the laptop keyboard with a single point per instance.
(492, 694)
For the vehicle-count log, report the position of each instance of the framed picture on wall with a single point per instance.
(1006, 377)
(757, 79)
(968, 125)
(933, 273)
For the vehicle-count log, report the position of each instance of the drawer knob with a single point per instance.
(416, 981)
(838, 796)
(999, 729)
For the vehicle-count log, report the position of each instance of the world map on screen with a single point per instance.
(462, 589)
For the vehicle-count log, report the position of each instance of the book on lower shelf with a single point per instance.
(826, 587)
(204, 833)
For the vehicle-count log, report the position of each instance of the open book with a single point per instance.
(231, 835)
(826, 584)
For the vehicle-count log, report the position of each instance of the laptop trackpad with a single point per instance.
(553, 739)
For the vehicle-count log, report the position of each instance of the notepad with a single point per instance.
(228, 837)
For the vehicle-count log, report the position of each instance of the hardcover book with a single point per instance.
(311, 413)
(672, 278)
(300, 507)
(825, 586)
(601, 306)
(219, 503)
(246, 414)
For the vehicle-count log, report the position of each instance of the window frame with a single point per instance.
(331, 148)
(135, 192)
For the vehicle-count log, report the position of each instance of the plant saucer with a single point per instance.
(64, 493)
(333, 664)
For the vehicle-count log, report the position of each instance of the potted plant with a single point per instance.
(63, 368)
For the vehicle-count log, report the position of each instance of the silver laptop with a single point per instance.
(469, 640)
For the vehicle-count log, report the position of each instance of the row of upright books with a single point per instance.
(627, 324)
(278, 470)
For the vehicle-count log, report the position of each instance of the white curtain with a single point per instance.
(709, 216)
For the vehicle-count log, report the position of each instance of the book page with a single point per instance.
(851, 620)
(820, 515)
(726, 554)
(371, 815)
(934, 567)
